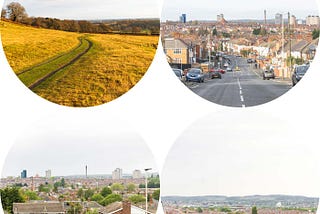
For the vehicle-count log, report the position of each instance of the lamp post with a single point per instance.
(146, 187)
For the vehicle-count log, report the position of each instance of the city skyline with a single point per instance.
(250, 160)
(89, 10)
(66, 150)
(247, 9)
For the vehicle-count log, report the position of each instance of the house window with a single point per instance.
(177, 51)
(177, 60)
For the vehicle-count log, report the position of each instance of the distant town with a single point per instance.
(264, 204)
(278, 49)
(110, 193)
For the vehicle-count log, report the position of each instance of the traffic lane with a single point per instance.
(222, 91)
(257, 91)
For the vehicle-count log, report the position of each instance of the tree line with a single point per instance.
(16, 12)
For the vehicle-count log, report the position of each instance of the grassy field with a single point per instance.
(26, 46)
(113, 65)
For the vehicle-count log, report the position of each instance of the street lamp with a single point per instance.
(146, 187)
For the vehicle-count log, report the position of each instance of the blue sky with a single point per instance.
(234, 9)
(93, 9)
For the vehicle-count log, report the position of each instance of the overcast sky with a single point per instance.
(67, 148)
(93, 9)
(234, 9)
(232, 155)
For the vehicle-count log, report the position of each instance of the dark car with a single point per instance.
(268, 74)
(215, 74)
(249, 60)
(298, 73)
(195, 74)
(178, 72)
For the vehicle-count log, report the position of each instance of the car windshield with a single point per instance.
(177, 72)
(195, 71)
(301, 70)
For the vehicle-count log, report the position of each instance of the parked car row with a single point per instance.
(298, 73)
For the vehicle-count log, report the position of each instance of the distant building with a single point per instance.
(136, 174)
(183, 18)
(278, 19)
(48, 173)
(293, 20)
(220, 17)
(117, 174)
(24, 174)
(312, 20)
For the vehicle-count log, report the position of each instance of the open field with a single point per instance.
(26, 46)
(109, 68)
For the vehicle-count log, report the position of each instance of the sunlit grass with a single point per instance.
(113, 66)
(26, 46)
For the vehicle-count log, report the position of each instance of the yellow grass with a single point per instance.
(26, 46)
(113, 66)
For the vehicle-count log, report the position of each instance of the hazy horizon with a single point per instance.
(234, 10)
(89, 10)
(67, 148)
(212, 158)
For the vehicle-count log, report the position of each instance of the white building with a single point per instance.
(48, 173)
(278, 19)
(313, 20)
(220, 17)
(293, 20)
(117, 174)
(136, 174)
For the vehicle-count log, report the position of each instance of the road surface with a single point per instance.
(242, 88)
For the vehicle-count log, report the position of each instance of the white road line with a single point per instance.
(241, 94)
(243, 106)
(241, 97)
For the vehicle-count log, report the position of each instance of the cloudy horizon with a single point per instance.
(89, 10)
(242, 159)
(236, 10)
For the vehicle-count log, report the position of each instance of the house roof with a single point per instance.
(38, 207)
(172, 43)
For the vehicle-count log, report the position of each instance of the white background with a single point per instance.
(159, 107)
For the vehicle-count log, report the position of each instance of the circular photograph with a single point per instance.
(244, 169)
(79, 53)
(77, 171)
(240, 53)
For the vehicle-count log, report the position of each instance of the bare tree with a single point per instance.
(3, 13)
(16, 12)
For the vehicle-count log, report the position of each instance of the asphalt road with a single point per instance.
(242, 88)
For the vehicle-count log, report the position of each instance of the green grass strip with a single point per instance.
(39, 72)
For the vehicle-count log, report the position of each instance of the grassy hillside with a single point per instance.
(113, 65)
(26, 46)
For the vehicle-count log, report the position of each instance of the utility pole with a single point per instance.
(289, 31)
(282, 51)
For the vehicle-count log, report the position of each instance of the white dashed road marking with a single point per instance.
(241, 94)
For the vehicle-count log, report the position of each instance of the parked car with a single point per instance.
(195, 74)
(268, 74)
(215, 74)
(178, 72)
(249, 60)
(226, 64)
(229, 69)
(298, 73)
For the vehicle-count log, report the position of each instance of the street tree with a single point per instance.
(105, 191)
(254, 210)
(3, 13)
(117, 187)
(110, 199)
(136, 199)
(156, 194)
(131, 187)
(10, 195)
(16, 12)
